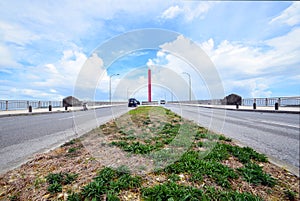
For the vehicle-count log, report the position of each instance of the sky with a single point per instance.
(53, 49)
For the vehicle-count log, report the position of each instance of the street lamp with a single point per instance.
(110, 87)
(190, 85)
(127, 93)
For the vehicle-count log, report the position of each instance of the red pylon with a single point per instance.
(149, 85)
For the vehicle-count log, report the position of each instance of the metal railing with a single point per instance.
(24, 104)
(282, 101)
(8, 105)
(261, 102)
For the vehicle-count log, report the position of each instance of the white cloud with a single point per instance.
(290, 16)
(252, 69)
(15, 33)
(171, 12)
(189, 10)
(61, 74)
(6, 60)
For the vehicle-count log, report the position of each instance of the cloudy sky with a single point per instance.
(52, 49)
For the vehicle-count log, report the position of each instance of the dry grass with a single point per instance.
(92, 152)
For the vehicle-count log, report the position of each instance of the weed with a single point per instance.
(56, 180)
(71, 142)
(13, 198)
(173, 178)
(245, 154)
(218, 153)
(171, 191)
(69, 178)
(254, 174)
(200, 144)
(55, 187)
(222, 137)
(134, 147)
(190, 163)
(110, 182)
(74, 197)
(72, 150)
(196, 177)
(214, 194)
(290, 195)
(38, 181)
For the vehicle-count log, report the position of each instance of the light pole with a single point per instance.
(127, 93)
(190, 85)
(110, 87)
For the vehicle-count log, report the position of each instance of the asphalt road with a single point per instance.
(23, 136)
(274, 134)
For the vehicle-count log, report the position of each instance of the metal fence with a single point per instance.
(6, 105)
(24, 104)
(282, 101)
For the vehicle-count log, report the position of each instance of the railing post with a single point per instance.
(276, 106)
(39, 104)
(279, 101)
(266, 102)
(6, 105)
(30, 108)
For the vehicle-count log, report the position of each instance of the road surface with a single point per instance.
(23, 136)
(274, 134)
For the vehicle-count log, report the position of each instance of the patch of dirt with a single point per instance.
(92, 152)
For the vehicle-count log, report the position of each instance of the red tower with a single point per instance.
(149, 85)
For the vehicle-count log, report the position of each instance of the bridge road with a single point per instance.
(274, 134)
(23, 136)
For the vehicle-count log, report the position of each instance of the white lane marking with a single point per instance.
(66, 118)
(73, 116)
(281, 124)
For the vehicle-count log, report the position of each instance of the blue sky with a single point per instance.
(44, 45)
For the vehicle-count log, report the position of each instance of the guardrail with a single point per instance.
(8, 105)
(282, 101)
(24, 104)
(261, 102)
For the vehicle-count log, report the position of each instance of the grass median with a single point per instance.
(150, 153)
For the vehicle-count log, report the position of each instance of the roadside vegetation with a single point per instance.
(207, 166)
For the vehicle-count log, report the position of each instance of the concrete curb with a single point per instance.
(246, 110)
(53, 112)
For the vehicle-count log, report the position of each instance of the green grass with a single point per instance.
(57, 180)
(109, 182)
(172, 191)
(198, 166)
(254, 174)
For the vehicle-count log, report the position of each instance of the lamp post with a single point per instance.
(190, 85)
(127, 93)
(110, 87)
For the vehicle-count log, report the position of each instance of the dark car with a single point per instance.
(132, 102)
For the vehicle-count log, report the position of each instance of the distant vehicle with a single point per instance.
(132, 102)
(162, 102)
(84, 105)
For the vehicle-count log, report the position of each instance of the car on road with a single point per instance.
(132, 102)
(162, 102)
